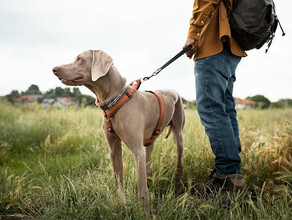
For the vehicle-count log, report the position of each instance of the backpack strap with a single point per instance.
(228, 6)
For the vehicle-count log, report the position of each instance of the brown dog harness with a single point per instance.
(133, 86)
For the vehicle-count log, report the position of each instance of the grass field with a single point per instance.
(54, 164)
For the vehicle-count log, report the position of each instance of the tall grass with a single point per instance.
(54, 164)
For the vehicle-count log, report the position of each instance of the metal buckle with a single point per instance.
(156, 132)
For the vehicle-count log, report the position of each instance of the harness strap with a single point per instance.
(126, 97)
(133, 86)
(148, 142)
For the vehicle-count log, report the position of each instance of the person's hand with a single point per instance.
(194, 49)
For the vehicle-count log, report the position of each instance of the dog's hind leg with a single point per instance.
(177, 125)
(178, 140)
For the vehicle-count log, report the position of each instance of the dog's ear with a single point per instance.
(101, 63)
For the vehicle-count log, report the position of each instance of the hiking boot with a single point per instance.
(227, 185)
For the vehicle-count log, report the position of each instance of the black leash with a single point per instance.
(184, 50)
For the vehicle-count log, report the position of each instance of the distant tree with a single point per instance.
(15, 93)
(76, 91)
(67, 92)
(277, 104)
(190, 104)
(50, 94)
(286, 102)
(12, 96)
(261, 101)
(282, 103)
(33, 90)
(84, 100)
(59, 91)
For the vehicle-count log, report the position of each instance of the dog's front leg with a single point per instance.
(148, 158)
(140, 159)
(135, 145)
(115, 149)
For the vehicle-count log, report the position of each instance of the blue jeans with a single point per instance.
(215, 76)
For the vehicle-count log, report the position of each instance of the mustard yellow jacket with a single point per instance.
(208, 25)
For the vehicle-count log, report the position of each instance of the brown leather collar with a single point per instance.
(133, 86)
(112, 102)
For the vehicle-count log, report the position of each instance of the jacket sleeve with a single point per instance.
(202, 12)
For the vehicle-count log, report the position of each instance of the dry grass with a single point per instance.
(54, 164)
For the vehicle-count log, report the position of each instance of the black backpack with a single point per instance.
(253, 22)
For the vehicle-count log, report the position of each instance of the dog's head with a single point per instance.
(88, 67)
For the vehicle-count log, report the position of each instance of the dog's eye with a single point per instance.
(78, 58)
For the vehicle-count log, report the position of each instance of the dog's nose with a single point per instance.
(55, 70)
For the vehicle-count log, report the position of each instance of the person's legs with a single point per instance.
(215, 105)
(231, 111)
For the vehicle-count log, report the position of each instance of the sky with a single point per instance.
(140, 36)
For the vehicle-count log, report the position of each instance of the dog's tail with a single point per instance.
(168, 132)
